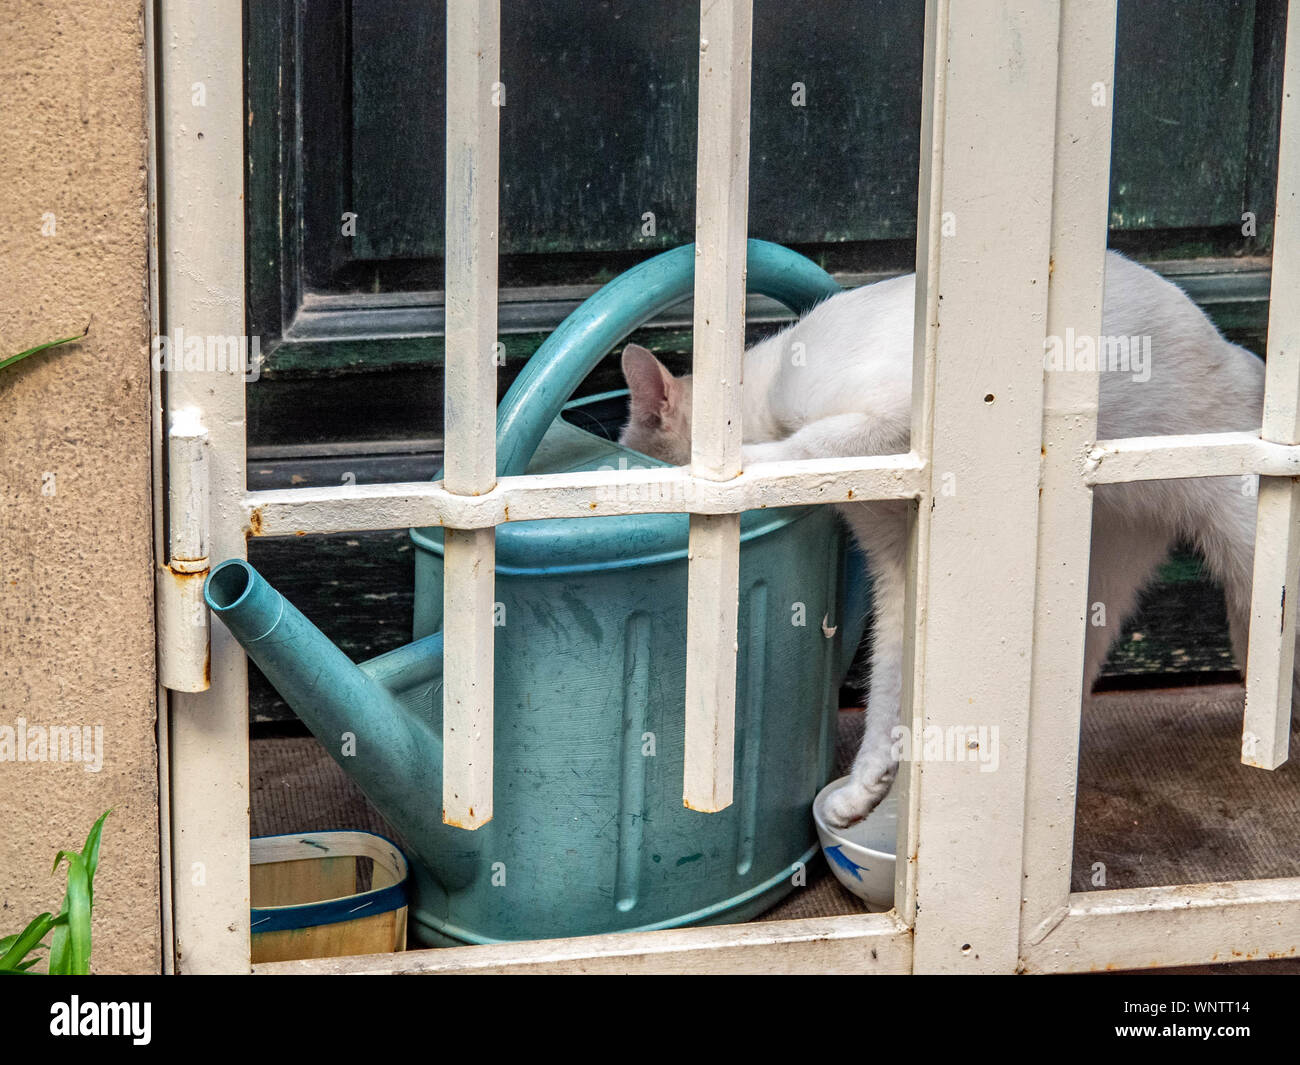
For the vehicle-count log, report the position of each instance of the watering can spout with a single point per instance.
(357, 712)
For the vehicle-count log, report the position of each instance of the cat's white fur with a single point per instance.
(849, 393)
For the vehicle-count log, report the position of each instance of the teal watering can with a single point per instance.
(589, 833)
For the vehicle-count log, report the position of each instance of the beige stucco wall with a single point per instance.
(76, 614)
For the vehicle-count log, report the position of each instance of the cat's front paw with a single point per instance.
(854, 801)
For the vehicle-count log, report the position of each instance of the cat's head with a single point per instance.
(659, 408)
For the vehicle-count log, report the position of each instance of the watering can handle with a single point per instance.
(569, 354)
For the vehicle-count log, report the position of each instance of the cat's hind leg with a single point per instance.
(1125, 556)
(881, 529)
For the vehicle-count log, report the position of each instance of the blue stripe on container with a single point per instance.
(330, 911)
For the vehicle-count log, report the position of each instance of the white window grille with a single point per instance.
(990, 853)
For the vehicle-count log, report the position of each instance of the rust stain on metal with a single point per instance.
(183, 577)
(1231, 956)
(255, 522)
(850, 493)
(458, 824)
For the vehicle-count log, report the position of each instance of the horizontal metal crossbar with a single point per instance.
(1187, 924)
(1156, 458)
(355, 508)
(599, 493)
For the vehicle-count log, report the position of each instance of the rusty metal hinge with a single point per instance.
(183, 638)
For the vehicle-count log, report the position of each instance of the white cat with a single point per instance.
(849, 393)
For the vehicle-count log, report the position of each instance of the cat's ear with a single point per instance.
(653, 391)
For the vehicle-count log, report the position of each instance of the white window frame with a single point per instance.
(1024, 259)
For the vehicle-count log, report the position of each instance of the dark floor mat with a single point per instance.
(1164, 798)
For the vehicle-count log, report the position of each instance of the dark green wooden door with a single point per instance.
(345, 109)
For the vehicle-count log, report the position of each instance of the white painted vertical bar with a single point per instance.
(467, 698)
(981, 307)
(1080, 198)
(200, 153)
(1270, 657)
(473, 153)
(721, 211)
(1271, 654)
(907, 784)
(474, 96)
(153, 93)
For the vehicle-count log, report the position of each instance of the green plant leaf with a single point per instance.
(90, 853)
(58, 956)
(41, 347)
(61, 960)
(59, 858)
(61, 941)
(69, 947)
(30, 963)
(25, 942)
(75, 959)
(79, 916)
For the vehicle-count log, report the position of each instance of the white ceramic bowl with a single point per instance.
(862, 855)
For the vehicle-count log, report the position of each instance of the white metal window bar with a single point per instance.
(1266, 730)
(200, 153)
(721, 214)
(989, 853)
(473, 70)
(1076, 271)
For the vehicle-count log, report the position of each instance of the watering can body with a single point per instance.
(589, 833)
(588, 822)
